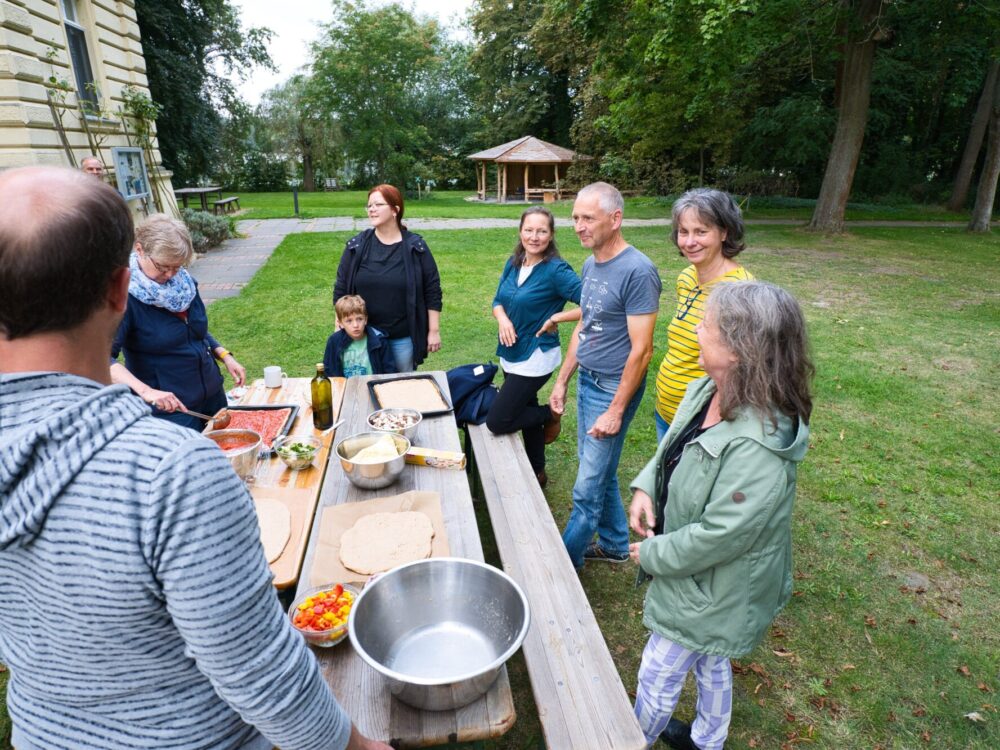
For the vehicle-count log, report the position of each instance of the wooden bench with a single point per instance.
(581, 701)
(330, 183)
(226, 204)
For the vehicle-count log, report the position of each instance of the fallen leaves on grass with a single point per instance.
(964, 670)
(925, 736)
(870, 621)
(975, 716)
(982, 686)
(918, 712)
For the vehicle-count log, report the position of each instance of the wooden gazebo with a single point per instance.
(526, 168)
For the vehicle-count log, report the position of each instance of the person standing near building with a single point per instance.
(612, 346)
(93, 166)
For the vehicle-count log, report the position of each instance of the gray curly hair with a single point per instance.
(763, 326)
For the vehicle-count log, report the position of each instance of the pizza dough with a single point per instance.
(381, 450)
(410, 393)
(380, 541)
(275, 526)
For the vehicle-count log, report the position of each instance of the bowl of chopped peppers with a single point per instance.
(320, 615)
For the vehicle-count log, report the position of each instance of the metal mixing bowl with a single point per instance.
(407, 432)
(371, 475)
(439, 629)
(244, 459)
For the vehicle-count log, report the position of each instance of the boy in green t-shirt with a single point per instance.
(356, 348)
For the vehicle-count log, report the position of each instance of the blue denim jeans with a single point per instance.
(402, 352)
(597, 503)
(661, 427)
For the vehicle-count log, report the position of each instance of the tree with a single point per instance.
(974, 143)
(297, 128)
(985, 195)
(861, 34)
(518, 90)
(379, 72)
(190, 46)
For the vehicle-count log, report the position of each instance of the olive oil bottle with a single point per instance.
(322, 399)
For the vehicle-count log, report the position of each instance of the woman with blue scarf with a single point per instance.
(170, 357)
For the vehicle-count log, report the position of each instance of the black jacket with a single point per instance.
(423, 289)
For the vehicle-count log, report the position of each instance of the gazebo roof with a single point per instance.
(528, 149)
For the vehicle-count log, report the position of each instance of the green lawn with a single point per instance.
(453, 205)
(890, 639)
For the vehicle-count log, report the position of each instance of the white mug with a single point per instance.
(274, 377)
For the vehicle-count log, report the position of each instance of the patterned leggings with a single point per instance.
(661, 676)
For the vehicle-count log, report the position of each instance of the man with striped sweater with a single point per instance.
(136, 606)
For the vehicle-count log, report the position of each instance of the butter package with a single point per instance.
(434, 458)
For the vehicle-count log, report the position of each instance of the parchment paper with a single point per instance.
(327, 567)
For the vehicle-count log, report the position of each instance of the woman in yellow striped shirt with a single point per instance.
(707, 228)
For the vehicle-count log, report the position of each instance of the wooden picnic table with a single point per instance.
(299, 491)
(201, 192)
(360, 689)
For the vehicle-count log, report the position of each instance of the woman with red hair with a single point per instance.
(393, 270)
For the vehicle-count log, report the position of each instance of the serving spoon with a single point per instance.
(219, 421)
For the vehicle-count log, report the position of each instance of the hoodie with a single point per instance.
(136, 606)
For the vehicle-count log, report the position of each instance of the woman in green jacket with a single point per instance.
(714, 508)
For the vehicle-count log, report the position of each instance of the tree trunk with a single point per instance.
(987, 190)
(963, 178)
(853, 98)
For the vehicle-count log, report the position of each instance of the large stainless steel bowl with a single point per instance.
(371, 475)
(243, 459)
(439, 629)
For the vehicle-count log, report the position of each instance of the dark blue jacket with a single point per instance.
(550, 286)
(423, 284)
(379, 352)
(169, 354)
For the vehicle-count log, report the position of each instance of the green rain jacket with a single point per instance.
(722, 569)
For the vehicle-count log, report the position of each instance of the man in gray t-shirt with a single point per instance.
(612, 346)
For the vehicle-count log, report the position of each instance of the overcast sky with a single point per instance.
(296, 23)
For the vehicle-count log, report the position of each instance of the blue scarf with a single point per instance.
(176, 295)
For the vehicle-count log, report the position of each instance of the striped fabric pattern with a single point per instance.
(680, 364)
(662, 672)
(136, 606)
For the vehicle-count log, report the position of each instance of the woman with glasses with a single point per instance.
(535, 285)
(170, 357)
(393, 271)
(707, 228)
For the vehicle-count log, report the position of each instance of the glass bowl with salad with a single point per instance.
(297, 451)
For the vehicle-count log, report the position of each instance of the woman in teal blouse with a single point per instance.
(535, 286)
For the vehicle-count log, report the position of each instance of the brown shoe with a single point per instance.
(543, 478)
(552, 428)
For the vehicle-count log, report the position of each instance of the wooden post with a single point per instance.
(485, 183)
(558, 195)
(499, 183)
(505, 182)
(526, 182)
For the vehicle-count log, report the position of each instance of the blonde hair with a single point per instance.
(350, 304)
(165, 238)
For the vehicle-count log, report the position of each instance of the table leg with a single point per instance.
(204, 202)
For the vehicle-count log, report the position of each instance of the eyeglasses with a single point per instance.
(163, 269)
(684, 307)
(374, 206)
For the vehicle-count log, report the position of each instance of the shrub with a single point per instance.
(206, 230)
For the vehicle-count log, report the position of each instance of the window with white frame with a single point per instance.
(76, 37)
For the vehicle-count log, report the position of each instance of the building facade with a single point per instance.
(68, 71)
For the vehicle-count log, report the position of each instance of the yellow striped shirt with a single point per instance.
(680, 364)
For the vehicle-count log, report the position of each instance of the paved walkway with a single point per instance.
(224, 271)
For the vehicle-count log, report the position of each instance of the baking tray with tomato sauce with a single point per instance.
(270, 421)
